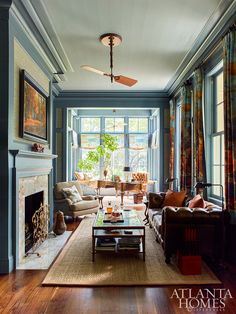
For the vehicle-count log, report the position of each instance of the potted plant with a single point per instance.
(104, 151)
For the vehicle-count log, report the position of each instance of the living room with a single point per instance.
(171, 121)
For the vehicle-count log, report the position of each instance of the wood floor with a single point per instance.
(21, 292)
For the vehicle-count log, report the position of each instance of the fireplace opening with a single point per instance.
(32, 203)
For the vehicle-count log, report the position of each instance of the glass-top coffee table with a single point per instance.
(121, 235)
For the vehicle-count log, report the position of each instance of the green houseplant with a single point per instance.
(104, 151)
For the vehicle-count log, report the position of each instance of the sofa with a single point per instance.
(170, 224)
(87, 205)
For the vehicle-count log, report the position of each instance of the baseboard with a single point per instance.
(6, 265)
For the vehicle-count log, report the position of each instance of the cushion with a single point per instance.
(210, 206)
(58, 189)
(73, 194)
(156, 201)
(174, 198)
(79, 175)
(84, 205)
(88, 176)
(197, 202)
(87, 190)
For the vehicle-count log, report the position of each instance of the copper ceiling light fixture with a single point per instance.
(111, 40)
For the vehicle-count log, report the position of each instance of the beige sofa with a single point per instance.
(88, 204)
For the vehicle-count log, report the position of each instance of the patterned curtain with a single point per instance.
(186, 165)
(229, 64)
(172, 138)
(199, 162)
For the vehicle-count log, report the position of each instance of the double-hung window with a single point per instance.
(90, 139)
(138, 144)
(217, 135)
(115, 126)
(214, 126)
(177, 142)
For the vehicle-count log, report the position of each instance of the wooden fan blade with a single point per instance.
(91, 69)
(125, 80)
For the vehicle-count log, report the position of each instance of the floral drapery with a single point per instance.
(186, 151)
(229, 68)
(172, 138)
(199, 163)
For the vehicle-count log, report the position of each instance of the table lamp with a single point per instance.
(170, 180)
(127, 172)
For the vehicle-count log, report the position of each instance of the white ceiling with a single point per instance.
(157, 34)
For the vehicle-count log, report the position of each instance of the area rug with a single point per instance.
(74, 266)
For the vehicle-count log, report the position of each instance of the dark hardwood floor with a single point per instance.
(21, 292)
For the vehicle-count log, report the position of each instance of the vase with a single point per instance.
(105, 172)
(59, 226)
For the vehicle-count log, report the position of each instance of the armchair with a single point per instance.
(141, 177)
(87, 205)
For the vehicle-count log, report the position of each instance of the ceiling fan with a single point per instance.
(111, 40)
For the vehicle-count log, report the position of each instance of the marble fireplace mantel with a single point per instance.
(30, 154)
(31, 173)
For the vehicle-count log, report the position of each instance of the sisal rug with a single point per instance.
(74, 266)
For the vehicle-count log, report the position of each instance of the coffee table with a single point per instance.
(131, 227)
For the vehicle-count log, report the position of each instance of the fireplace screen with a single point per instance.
(32, 204)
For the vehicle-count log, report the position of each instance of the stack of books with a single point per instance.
(106, 244)
(129, 244)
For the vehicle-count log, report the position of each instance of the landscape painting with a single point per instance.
(34, 110)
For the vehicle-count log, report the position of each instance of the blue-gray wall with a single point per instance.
(10, 29)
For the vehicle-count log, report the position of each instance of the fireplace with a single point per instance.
(31, 174)
(32, 203)
(28, 186)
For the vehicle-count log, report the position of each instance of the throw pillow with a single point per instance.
(72, 193)
(197, 202)
(174, 198)
(79, 175)
(156, 200)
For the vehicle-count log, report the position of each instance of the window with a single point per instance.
(138, 160)
(217, 136)
(178, 141)
(118, 157)
(90, 139)
(138, 125)
(90, 125)
(132, 134)
(138, 144)
(114, 125)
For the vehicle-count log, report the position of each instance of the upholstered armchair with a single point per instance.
(141, 177)
(87, 205)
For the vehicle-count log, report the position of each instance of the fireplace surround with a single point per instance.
(31, 173)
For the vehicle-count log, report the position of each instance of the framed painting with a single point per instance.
(34, 110)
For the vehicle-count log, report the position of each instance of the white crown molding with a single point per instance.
(214, 27)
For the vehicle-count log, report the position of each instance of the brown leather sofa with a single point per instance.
(170, 224)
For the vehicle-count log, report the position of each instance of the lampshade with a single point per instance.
(127, 169)
(168, 180)
(202, 185)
